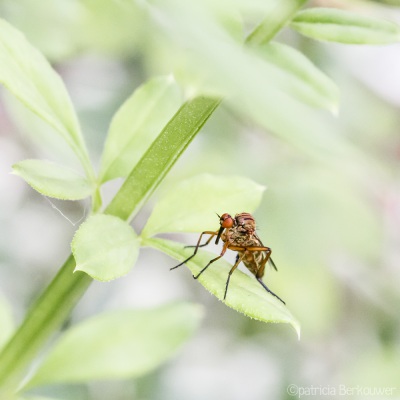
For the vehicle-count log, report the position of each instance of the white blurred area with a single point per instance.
(366, 63)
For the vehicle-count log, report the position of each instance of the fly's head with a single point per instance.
(226, 222)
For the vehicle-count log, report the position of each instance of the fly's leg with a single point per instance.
(267, 258)
(210, 262)
(237, 262)
(197, 246)
(204, 244)
(260, 271)
(269, 291)
(213, 260)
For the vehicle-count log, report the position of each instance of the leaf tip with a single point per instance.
(297, 328)
(15, 169)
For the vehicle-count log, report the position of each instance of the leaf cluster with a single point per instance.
(146, 136)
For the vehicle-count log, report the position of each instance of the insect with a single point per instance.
(238, 234)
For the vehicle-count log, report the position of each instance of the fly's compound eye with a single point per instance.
(226, 221)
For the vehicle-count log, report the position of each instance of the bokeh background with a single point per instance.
(331, 213)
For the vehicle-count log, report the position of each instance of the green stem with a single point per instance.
(165, 151)
(96, 200)
(283, 12)
(60, 297)
(45, 316)
(55, 304)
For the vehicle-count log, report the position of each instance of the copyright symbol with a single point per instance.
(292, 390)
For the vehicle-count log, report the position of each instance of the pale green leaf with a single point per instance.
(111, 28)
(28, 75)
(6, 321)
(344, 27)
(119, 345)
(244, 295)
(28, 397)
(191, 205)
(105, 247)
(260, 93)
(53, 180)
(301, 76)
(137, 123)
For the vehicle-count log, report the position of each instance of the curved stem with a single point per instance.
(60, 297)
(45, 316)
(161, 156)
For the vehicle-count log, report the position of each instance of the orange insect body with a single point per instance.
(243, 234)
(239, 234)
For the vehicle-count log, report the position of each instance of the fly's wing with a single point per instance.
(258, 239)
(261, 244)
(273, 264)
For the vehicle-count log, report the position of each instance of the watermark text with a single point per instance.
(341, 390)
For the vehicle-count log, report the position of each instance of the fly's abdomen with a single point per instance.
(252, 260)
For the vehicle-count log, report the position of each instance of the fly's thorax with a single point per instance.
(245, 223)
(239, 237)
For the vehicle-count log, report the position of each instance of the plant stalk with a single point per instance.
(283, 12)
(44, 317)
(55, 304)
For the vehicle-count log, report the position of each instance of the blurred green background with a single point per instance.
(331, 213)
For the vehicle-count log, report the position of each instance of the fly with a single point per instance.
(238, 234)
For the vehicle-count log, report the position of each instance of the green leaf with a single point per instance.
(344, 27)
(105, 247)
(137, 123)
(27, 74)
(306, 81)
(6, 321)
(192, 204)
(260, 93)
(245, 294)
(54, 306)
(119, 345)
(53, 180)
(101, 34)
